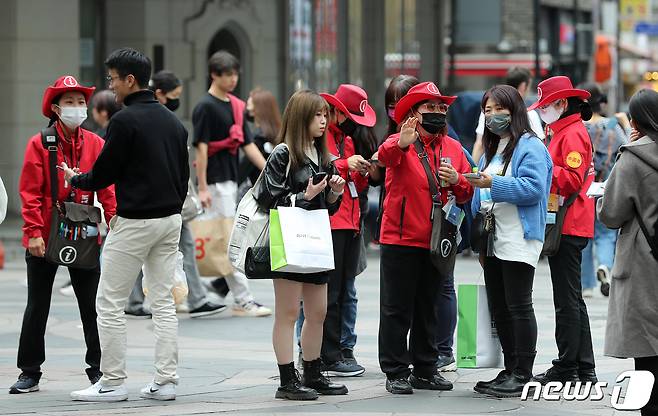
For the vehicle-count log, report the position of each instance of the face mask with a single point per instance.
(72, 117)
(391, 113)
(249, 117)
(433, 123)
(347, 127)
(172, 103)
(498, 123)
(550, 115)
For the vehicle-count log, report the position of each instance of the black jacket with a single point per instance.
(276, 189)
(145, 157)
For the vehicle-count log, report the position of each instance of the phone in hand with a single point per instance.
(475, 175)
(319, 177)
(375, 162)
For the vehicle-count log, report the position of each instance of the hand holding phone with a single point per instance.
(474, 175)
(319, 177)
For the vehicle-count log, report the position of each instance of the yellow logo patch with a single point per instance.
(574, 160)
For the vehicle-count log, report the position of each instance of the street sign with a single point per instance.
(650, 29)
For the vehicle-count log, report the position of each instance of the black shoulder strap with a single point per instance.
(49, 141)
(572, 197)
(424, 160)
(645, 231)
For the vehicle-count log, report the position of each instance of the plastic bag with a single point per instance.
(180, 290)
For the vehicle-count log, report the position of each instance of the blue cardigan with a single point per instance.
(527, 188)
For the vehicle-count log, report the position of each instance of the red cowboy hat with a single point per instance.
(65, 83)
(555, 88)
(417, 94)
(353, 102)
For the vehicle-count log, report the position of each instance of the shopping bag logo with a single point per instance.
(68, 254)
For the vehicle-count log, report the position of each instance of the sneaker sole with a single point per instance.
(448, 368)
(15, 390)
(289, 396)
(121, 398)
(162, 397)
(344, 374)
(245, 314)
(207, 313)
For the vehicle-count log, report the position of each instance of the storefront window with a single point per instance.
(354, 34)
(300, 40)
(402, 46)
(326, 45)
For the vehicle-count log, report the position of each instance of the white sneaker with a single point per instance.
(67, 290)
(251, 308)
(157, 391)
(588, 293)
(100, 393)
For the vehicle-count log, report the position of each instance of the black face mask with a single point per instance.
(172, 103)
(433, 123)
(347, 127)
(249, 117)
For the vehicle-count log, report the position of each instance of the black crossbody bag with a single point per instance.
(483, 230)
(443, 241)
(74, 240)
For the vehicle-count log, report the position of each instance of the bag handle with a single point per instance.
(504, 172)
(647, 235)
(49, 141)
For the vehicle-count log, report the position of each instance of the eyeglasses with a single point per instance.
(434, 108)
(110, 79)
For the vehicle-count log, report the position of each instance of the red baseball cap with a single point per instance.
(417, 94)
(555, 88)
(353, 102)
(63, 84)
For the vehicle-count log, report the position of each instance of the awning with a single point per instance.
(496, 64)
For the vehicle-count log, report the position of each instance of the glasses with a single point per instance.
(434, 108)
(110, 79)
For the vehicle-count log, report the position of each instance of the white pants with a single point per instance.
(224, 204)
(130, 244)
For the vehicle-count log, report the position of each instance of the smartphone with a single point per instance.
(475, 175)
(375, 162)
(319, 177)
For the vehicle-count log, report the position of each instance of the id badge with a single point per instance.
(455, 215)
(553, 203)
(550, 218)
(352, 187)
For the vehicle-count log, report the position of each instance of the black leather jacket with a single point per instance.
(276, 188)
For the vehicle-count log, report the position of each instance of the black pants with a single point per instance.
(650, 364)
(40, 279)
(409, 288)
(572, 333)
(509, 291)
(347, 250)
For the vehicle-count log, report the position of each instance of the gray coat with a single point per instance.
(632, 327)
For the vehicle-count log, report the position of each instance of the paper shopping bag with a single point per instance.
(478, 345)
(211, 238)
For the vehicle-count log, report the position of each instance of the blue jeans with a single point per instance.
(348, 334)
(603, 245)
(447, 311)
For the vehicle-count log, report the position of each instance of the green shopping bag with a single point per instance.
(277, 249)
(478, 345)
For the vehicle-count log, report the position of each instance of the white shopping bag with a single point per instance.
(300, 240)
(478, 345)
(249, 224)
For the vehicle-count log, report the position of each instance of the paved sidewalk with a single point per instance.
(227, 364)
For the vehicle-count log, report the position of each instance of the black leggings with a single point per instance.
(509, 290)
(650, 364)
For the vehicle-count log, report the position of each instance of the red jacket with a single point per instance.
(348, 216)
(34, 184)
(571, 151)
(408, 203)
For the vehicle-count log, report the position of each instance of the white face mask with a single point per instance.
(550, 114)
(72, 117)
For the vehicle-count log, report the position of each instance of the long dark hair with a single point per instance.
(643, 108)
(577, 105)
(509, 98)
(398, 88)
(365, 141)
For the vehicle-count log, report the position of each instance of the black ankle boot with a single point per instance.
(291, 387)
(512, 386)
(314, 379)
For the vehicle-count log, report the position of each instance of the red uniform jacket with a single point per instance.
(348, 216)
(408, 203)
(571, 151)
(34, 185)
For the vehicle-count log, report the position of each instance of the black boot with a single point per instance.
(513, 385)
(291, 387)
(556, 374)
(314, 379)
(510, 364)
(587, 375)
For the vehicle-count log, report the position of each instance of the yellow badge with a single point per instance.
(574, 160)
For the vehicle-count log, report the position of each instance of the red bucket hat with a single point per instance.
(555, 88)
(65, 83)
(353, 102)
(419, 93)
